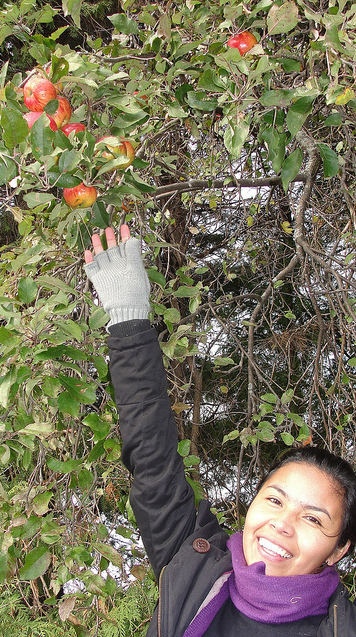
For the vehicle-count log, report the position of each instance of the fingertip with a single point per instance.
(110, 237)
(88, 257)
(97, 245)
(125, 232)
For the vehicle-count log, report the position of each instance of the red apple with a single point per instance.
(38, 92)
(74, 126)
(63, 112)
(243, 41)
(81, 196)
(125, 148)
(32, 117)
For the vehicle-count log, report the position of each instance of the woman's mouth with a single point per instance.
(273, 550)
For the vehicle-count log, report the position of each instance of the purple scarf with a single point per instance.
(266, 598)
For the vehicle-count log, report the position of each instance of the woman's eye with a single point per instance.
(274, 500)
(313, 520)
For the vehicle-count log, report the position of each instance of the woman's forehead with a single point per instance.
(308, 485)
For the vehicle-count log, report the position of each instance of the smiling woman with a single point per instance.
(297, 520)
(278, 578)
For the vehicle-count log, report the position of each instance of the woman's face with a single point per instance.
(294, 522)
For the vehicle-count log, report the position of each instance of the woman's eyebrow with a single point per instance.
(312, 507)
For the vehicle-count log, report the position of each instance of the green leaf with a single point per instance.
(235, 137)
(124, 24)
(352, 362)
(287, 438)
(108, 551)
(287, 396)
(142, 186)
(221, 361)
(51, 282)
(330, 160)
(96, 452)
(41, 138)
(156, 277)
(266, 434)
(276, 147)
(289, 65)
(63, 467)
(36, 564)
(27, 290)
(85, 479)
(209, 81)
(184, 447)
(298, 420)
(280, 97)
(67, 405)
(279, 419)
(172, 315)
(186, 292)
(98, 318)
(101, 428)
(113, 449)
(15, 127)
(290, 167)
(33, 199)
(8, 170)
(52, 353)
(39, 429)
(282, 19)
(5, 386)
(41, 501)
(269, 398)
(78, 390)
(164, 27)
(334, 119)
(298, 113)
(201, 101)
(100, 216)
(231, 436)
(5, 32)
(72, 8)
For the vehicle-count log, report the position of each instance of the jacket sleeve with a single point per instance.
(161, 498)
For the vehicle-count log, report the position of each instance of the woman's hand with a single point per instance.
(110, 240)
(119, 276)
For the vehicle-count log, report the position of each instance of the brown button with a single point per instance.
(200, 545)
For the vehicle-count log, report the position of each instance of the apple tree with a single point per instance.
(241, 186)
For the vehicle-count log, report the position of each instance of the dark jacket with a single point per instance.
(163, 501)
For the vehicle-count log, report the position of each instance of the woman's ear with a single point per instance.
(338, 553)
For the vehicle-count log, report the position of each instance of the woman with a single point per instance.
(278, 577)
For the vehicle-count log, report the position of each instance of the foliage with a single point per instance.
(242, 191)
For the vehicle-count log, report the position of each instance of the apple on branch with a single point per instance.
(33, 116)
(124, 148)
(80, 196)
(38, 92)
(72, 126)
(243, 41)
(63, 112)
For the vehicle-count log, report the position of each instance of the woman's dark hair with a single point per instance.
(340, 471)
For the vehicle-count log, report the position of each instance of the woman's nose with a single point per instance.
(283, 523)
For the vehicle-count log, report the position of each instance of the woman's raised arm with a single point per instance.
(162, 500)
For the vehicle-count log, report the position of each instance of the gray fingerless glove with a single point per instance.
(121, 282)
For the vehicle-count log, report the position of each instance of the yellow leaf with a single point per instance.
(347, 95)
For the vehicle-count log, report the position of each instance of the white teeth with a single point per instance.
(273, 547)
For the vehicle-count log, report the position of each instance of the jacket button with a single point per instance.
(200, 545)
